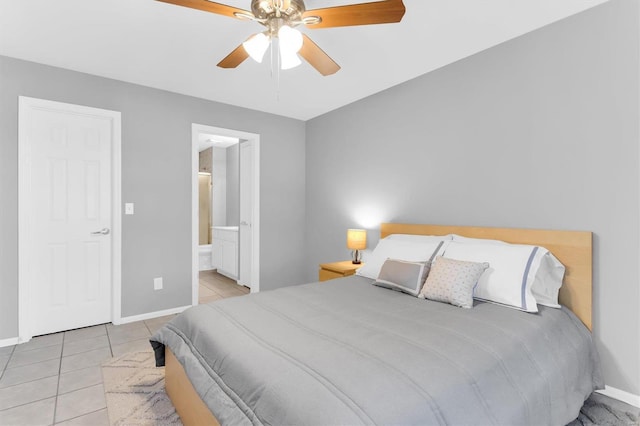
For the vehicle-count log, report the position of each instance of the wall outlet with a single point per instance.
(157, 283)
(128, 208)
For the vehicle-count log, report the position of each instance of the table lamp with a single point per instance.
(356, 241)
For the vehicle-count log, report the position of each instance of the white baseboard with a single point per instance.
(621, 395)
(226, 274)
(150, 315)
(125, 320)
(9, 342)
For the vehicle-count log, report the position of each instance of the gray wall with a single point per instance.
(233, 185)
(539, 132)
(156, 167)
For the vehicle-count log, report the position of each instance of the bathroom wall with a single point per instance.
(219, 192)
(224, 166)
(204, 208)
(205, 160)
(233, 185)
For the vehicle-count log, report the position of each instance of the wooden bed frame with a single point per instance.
(572, 248)
(190, 407)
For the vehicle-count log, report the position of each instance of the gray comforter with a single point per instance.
(347, 352)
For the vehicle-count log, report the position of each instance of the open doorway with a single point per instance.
(225, 212)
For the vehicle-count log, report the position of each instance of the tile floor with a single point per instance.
(214, 286)
(56, 378)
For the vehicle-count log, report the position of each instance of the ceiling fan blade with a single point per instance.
(209, 6)
(380, 12)
(317, 58)
(234, 58)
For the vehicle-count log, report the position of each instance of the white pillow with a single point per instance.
(407, 277)
(548, 280)
(549, 275)
(419, 238)
(511, 273)
(409, 251)
(460, 239)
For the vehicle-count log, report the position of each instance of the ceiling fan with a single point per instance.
(280, 17)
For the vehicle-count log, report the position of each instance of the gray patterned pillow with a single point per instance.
(452, 281)
(407, 277)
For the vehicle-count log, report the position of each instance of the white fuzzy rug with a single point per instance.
(134, 389)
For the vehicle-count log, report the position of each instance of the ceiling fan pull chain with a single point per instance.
(275, 77)
(278, 72)
(271, 59)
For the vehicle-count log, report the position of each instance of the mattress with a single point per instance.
(347, 352)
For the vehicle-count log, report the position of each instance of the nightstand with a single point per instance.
(329, 271)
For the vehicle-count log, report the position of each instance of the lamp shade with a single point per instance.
(290, 41)
(288, 61)
(256, 46)
(356, 239)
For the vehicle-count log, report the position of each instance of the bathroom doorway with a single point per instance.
(225, 204)
(218, 204)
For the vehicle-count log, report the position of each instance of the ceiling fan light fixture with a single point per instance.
(256, 46)
(289, 60)
(290, 40)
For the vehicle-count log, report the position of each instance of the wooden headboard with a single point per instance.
(572, 248)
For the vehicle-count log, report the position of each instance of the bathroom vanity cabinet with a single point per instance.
(224, 246)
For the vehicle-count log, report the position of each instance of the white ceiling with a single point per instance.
(217, 141)
(176, 48)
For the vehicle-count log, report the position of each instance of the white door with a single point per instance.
(68, 246)
(246, 219)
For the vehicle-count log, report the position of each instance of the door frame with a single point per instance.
(25, 206)
(196, 130)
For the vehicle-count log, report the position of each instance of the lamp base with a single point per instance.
(356, 257)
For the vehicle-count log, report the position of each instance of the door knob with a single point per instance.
(103, 231)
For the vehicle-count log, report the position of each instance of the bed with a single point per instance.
(347, 352)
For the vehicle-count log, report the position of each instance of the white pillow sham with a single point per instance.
(460, 239)
(409, 251)
(548, 280)
(419, 238)
(548, 277)
(510, 276)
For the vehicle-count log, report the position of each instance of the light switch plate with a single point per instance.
(128, 208)
(157, 283)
